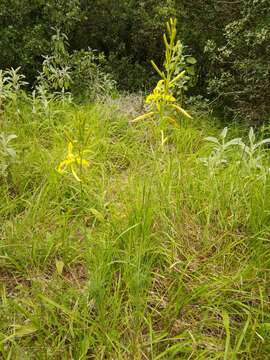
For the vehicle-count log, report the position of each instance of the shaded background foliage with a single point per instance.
(230, 39)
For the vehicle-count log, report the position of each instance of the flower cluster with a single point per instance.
(73, 161)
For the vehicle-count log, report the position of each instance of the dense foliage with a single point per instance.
(128, 34)
(133, 229)
(229, 39)
(240, 67)
(115, 245)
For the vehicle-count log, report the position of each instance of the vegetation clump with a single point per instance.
(114, 247)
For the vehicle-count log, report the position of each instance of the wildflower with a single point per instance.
(160, 96)
(163, 104)
(73, 162)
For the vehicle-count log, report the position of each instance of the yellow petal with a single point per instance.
(70, 148)
(178, 108)
(74, 173)
(85, 163)
(149, 98)
(62, 166)
(159, 84)
(82, 162)
(169, 98)
(145, 116)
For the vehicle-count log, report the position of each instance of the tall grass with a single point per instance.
(159, 258)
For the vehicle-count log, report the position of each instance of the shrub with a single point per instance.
(239, 75)
(81, 72)
(89, 80)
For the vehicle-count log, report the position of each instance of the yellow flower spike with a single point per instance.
(73, 161)
(163, 103)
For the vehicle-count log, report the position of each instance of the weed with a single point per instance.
(253, 156)
(7, 153)
(217, 158)
(162, 100)
(156, 257)
(73, 162)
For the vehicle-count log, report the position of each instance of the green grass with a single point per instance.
(161, 260)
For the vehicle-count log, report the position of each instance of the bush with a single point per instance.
(239, 73)
(89, 80)
(234, 70)
(80, 72)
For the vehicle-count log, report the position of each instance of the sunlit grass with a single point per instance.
(162, 259)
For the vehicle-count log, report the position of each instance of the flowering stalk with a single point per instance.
(73, 162)
(162, 101)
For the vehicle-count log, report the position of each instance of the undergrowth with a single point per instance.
(153, 255)
(116, 245)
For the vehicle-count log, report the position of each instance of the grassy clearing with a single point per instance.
(151, 257)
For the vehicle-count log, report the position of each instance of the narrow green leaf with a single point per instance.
(178, 77)
(182, 111)
(226, 322)
(243, 333)
(157, 69)
(20, 332)
(59, 266)
(191, 60)
(145, 116)
(97, 215)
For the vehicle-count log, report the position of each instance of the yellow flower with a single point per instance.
(159, 96)
(73, 162)
(169, 98)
